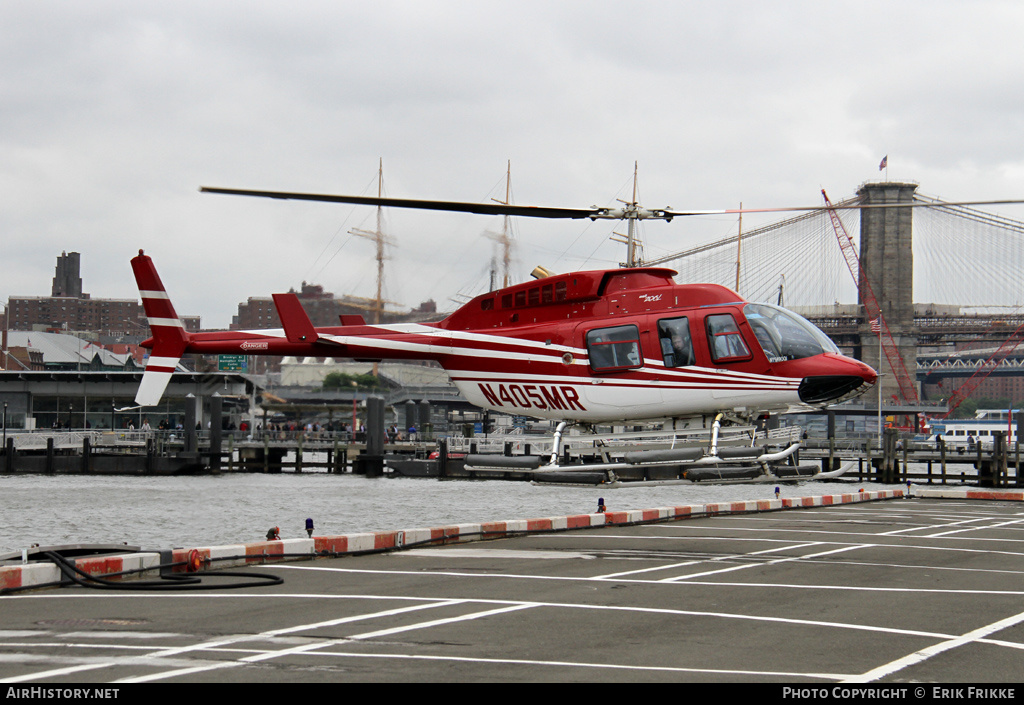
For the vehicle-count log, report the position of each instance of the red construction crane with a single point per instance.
(874, 312)
(967, 388)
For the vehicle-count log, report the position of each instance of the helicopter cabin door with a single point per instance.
(616, 357)
(674, 340)
(729, 342)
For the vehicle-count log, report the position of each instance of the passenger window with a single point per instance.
(676, 345)
(724, 339)
(616, 348)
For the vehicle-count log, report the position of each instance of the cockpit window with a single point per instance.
(784, 335)
(724, 338)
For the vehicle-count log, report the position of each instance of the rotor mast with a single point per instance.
(631, 212)
(631, 258)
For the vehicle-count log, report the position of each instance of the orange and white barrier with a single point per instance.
(25, 575)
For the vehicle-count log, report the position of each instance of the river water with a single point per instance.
(168, 512)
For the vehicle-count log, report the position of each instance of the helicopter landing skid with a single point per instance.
(690, 465)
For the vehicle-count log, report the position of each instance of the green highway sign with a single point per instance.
(233, 363)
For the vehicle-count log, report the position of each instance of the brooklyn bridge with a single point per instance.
(947, 280)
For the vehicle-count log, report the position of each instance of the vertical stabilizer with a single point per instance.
(169, 336)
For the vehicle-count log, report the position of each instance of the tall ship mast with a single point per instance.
(380, 239)
(504, 238)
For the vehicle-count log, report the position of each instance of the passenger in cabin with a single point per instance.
(601, 354)
(676, 345)
(614, 348)
(633, 355)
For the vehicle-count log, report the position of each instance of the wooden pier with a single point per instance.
(157, 453)
(898, 461)
(893, 461)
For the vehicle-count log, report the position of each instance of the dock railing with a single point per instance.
(65, 439)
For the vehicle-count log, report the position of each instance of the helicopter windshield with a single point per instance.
(784, 335)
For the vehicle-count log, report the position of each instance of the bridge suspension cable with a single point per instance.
(967, 257)
(801, 251)
(962, 256)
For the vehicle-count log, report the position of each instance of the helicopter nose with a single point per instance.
(818, 390)
(856, 379)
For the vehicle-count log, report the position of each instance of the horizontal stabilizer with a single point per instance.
(294, 319)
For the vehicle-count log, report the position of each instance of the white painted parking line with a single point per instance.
(323, 651)
(694, 528)
(503, 553)
(935, 649)
(174, 651)
(317, 648)
(920, 546)
(788, 559)
(793, 586)
(327, 648)
(314, 646)
(731, 557)
(1000, 525)
(594, 666)
(930, 527)
(53, 673)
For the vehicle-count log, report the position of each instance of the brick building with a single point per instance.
(323, 308)
(69, 308)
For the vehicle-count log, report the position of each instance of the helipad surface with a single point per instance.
(897, 590)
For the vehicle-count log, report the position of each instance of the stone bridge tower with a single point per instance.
(887, 257)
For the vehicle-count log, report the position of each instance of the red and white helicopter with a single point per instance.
(615, 345)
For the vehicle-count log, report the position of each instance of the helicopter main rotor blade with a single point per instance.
(629, 210)
(478, 208)
(669, 214)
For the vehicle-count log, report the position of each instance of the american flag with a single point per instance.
(885, 162)
(876, 324)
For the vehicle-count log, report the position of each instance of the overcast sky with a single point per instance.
(112, 114)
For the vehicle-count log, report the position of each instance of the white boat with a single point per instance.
(964, 433)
